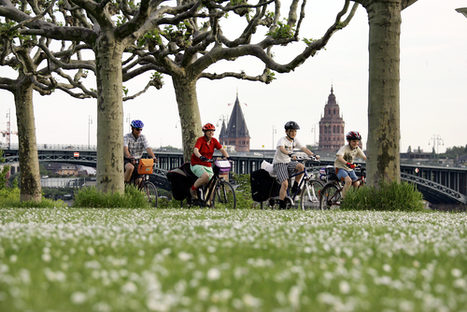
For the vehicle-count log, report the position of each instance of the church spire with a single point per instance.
(237, 131)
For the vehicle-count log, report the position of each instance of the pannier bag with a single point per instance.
(145, 166)
(181, 179)
(328, 173)
(263, 185)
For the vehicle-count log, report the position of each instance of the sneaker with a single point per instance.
(282, 204)
(194, 193)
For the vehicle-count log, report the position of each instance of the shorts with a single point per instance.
(284, 170)
(135, 174)
(198, 170)
(342, 173)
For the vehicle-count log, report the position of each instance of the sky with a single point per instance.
(433, 97)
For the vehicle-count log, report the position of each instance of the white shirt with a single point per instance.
(349, 155)
(282, 158)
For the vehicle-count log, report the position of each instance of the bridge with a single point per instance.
(437, 184)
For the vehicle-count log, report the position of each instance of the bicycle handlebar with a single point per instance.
(303, 156)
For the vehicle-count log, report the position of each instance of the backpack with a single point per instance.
(263, 185)
(181, 179)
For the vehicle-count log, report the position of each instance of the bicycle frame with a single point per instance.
(305, 184)
(209, 190)
(338, 185)
(142, 183)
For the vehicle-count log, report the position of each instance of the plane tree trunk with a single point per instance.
(383, 95)
(108, 52)
(188, 110)
(30, 179)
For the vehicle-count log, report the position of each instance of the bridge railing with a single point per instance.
(452, 178)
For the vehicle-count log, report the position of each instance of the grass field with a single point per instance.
(243, 260)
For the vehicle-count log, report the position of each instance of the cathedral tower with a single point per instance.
(331, 126)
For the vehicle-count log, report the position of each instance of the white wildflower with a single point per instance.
(46, 257)
(184, 256)
(456, 272)
(460, 283)
(129, 288)
(214, 274)
(344, 287)
(91, 251)
(78, 297)
(251, 301)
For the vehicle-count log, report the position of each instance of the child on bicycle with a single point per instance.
(283, 165)
(344, 162)
(202, 152)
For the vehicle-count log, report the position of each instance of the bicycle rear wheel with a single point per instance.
(224, 196)
(150, 191)
(309, 198)
(330, 197)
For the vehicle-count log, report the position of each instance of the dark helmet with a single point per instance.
(137, 124)
(208, 127)
(291, 125)
(353, 135)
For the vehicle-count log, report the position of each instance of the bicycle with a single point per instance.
(331, 194)
(142, 183)
(217, 190)
(308, 187)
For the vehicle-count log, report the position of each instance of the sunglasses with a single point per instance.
(138, 129)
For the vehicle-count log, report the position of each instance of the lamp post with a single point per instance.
(89, 131)
(274, 131)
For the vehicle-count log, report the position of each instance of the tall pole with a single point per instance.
(437, 141)
(273, 132)
(89, 131)
(9, 129)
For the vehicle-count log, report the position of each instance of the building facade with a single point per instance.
(331, 126)
(236, 132)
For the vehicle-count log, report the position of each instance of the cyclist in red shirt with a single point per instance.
(202, 152)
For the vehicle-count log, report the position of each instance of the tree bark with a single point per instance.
(30, 179)
(108, 53)
(383, 95)
(188, 110)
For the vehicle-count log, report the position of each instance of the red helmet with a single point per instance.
(353, 135)
(208, 127)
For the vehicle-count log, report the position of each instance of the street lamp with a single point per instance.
(89, 131)
(274, 131)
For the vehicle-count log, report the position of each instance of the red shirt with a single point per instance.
(205, 150)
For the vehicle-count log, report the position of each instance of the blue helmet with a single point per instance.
(137, 124)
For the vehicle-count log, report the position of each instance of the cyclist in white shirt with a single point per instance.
(283, 165)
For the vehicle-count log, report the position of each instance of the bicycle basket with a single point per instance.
(145, 166)
(223, 165)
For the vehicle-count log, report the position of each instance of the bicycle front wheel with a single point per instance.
(224, 196)
(330, 197)
(150, 191)
(309, 198)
